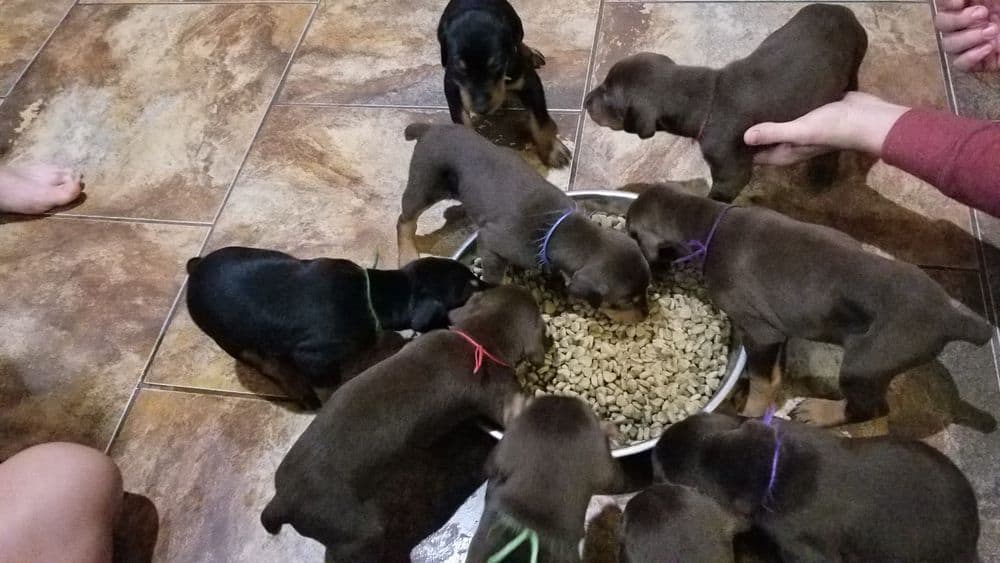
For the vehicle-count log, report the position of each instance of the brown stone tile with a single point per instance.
(322, 182)
(977, 95)
(208, 464)
(83, 304)
(874, 203)
(374, 53)
(156, 104)
(24, 26)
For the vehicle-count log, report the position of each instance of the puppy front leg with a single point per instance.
(456, 107)
(494, 267)
(544, 133)
(764, 370)
(533, 58)
(731, 172)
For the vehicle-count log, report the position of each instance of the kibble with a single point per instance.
(641, 377)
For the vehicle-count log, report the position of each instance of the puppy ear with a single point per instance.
(584, 286)
(428, 314)
(639, 121)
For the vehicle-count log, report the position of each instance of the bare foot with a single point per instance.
(821, 412)
(37, 188)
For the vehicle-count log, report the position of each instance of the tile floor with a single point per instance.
(279, 124)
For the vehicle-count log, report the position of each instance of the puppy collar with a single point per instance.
(368, 299)
(526, 534)
(768, 419)
(701, 248)
(543, 252)
(481, 352)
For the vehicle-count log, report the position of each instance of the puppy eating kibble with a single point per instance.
(326, 484)
(522, 220)
(810, 61)
(299, 321)
(821, 497)
(553, 457)
(484, 57)
(778, 278)
(669, 523)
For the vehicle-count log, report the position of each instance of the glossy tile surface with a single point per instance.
(83, 304)
(387, 53)
(157, 104)
(873, 202)
(24, 26)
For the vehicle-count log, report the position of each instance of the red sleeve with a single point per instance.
(960, 156)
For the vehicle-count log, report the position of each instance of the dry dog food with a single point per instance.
(643, 376)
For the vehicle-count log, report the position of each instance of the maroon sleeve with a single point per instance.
(960, 156)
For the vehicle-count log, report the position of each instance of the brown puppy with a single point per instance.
(553, 457)
(822, 497)
(671, 523)
(810, 61)
(326, 485)
(779, 278)
(522, 220)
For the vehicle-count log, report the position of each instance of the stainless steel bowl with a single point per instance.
(617, 203)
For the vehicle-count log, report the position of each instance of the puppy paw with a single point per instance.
(820, 412)
(557, 156)
(537, 58)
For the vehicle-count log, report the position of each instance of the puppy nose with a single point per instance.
(590, 98)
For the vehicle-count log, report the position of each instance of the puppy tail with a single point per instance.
(414, 131)
(192, 264)
(273, 516)
(972, 417)
(968, 326)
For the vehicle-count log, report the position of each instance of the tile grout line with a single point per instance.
(116, 219)
(580, 120)
(399, 106)
(188, 390)
(140, 384)
(41, 47)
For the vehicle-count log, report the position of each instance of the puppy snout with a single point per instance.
(590, 99)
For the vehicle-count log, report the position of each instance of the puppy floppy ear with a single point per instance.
(585, 285)
(428, 314)
(639, 121)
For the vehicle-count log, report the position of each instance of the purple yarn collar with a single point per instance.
(768, 419)
(543, 252)
(700, 251)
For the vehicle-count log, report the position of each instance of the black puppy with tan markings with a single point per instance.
(484, 56)
(822, 497)
(299, 321)
(778, 278)
(326, 484)
(553, 457)
(669, 523)
(810, 61)
(522, 220)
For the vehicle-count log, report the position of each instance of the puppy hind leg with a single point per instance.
(494, 267)
(291, 382)
(423, 189)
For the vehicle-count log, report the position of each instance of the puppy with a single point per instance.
(821, 497)
(553, 457)
(778, 278)
(669, 523)
(810, 61)
(484, 57)
(299, 321)
(522, 220)
(327, 483)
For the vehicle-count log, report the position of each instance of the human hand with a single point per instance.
(970, 32)
(858, 122)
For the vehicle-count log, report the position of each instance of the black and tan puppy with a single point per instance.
(484, 56)
(778, 278)
(553, 457)
(299, 321)
(810, 61)
(822, 497)
(522, 219)
(671, 523)
(327, 483)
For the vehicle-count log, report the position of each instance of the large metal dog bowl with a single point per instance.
(617, 203)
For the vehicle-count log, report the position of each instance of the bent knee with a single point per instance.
(70, 472)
